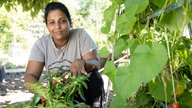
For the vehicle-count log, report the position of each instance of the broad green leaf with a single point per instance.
(106, 28)
(103, 52)
(173, 20)
(110, 71)
(117, 102)
(139, 5)
(126, 82)
(148, 61)
(119, 47)
(157, 90)
(109, 14)
(125, 22)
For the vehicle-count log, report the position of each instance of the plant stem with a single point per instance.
(170, 65)
(163, 10)
(186, 16)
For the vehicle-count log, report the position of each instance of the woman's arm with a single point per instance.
(89, 62)
(33, 72)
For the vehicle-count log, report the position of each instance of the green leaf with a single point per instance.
(36, 99)
(132, 44)
(103, 52)
(186, 99)
(139, 5)
(81, 93)
(157, 90)
(159, 3)
(106, 28)
(108, 18)
(110, 12)
(117, 102)
(119, 47)
(110, 70)
(84, 85)
(148, 61)
(126, 82)
(173, 20)
(126, 21)
(7, 7)
(142, 98)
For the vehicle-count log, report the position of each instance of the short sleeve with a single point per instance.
(37, 52)
(87, 44)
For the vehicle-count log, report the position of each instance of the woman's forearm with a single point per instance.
(30, 79)
(91, 65)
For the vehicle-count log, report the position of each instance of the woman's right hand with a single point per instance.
(78, 68)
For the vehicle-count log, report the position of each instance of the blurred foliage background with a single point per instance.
(21, 22)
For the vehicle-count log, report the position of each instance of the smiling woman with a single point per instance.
(58, 26)
(73, 50)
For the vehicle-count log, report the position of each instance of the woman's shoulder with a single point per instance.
(43, 40)
(77, 31)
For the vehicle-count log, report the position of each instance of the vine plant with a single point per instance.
(160, 70)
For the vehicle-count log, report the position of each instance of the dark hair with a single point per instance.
(57, 5)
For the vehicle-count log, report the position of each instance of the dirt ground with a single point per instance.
(13, 91)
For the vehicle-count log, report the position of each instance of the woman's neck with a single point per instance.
(60, 43)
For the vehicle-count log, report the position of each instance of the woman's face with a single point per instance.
(58, 25)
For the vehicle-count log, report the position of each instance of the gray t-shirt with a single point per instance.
(44, 50)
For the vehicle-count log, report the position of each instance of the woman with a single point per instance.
(71, 49)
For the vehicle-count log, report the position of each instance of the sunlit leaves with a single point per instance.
(139, 5)
(6, 36)
(126, 21)
(110, 70)
(109, 14)
(119, 47)
(148, 61)
(103, 52)
(126, 82)
(34, 6)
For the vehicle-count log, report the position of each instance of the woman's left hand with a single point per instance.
(78, 67)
